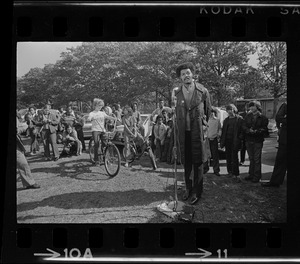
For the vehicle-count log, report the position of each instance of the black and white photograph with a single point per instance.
(151, 132)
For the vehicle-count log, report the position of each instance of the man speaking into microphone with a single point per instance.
(192, 102)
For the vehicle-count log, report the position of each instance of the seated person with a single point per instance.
(72, 144)
(68, 118)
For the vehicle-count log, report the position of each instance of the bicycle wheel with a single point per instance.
(112, 160)
(152, 159)
(131, 156)
(91, 150)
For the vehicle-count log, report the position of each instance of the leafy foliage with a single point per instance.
(122, 72)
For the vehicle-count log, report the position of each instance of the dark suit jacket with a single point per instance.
(238, 132)
(281, 119)
(54, 120)
(260, 125)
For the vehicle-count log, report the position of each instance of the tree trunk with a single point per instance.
(275, 105)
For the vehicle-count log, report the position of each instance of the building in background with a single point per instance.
(267, 105)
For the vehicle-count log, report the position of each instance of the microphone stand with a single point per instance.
(175, 159)
(175, 207)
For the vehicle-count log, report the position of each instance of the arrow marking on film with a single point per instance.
(203, 254)
(53, 254)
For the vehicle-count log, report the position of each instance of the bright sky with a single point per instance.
(37, 54)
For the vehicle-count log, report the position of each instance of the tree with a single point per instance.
(219, 65)
(252, 84)
(272, 63)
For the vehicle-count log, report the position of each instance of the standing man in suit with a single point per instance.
(280, 167)
(50, 124)
(192, 101)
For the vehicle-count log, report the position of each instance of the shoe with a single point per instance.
(33, 186)
(241, 163)
(56, 159)
(194, 199)
(217, 174)
(238, 179)
(269, 184)
(97, 163)
(255, 180)
(186, 195)
(229, 175)
(248, 178)
(47, 159)
(126, 165)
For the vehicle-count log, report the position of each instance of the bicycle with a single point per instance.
(137, 151)
(108, 154)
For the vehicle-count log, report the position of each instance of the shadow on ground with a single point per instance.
(101, 199)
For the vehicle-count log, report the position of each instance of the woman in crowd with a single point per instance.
(78, 125)
(160, 130)
(129, 130)
(138, 119)
(31, 119)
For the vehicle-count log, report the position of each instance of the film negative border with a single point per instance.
(52, 22)
(91, 23)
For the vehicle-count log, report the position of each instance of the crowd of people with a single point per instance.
(199, 134)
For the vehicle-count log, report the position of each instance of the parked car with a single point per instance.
(272, 126)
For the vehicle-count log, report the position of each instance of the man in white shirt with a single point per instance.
(213, 134)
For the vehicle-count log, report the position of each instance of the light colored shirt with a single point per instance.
(98, 120)
(137, 116)
(214, 128)
(160, 132)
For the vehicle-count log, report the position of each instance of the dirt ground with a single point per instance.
(75, 191)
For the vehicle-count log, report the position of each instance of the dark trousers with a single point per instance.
(232, 158)
(152, 140)
(196, 186)
(97, 136)
(50, 138)
(280, 167)
(166, 149)
(214, 150)
(159, 150)
(243, 151)
(254, 150)
(80, 136)
(34, 145)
